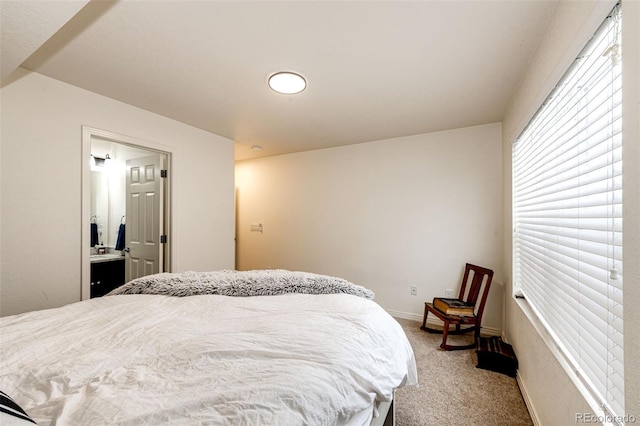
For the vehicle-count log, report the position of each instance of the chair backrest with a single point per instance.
(472, 283)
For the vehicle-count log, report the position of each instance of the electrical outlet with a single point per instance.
(414, 290)
(448, 293)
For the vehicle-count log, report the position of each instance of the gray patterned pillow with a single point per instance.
(11, 413)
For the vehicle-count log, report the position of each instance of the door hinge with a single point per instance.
(163, 239)
(163, 173)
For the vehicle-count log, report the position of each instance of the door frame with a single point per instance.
(89, 133)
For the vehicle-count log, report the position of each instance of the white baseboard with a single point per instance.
(432, 321)
(405, 315)
(527, 401)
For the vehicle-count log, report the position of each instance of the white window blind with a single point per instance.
(567, 199)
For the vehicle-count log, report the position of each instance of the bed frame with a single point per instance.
(387, 414)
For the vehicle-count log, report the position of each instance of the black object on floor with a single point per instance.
(496, 355)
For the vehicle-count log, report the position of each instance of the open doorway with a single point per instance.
(126, 205)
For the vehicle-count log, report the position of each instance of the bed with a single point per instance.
(225, 347)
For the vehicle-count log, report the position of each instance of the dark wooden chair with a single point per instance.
(475, 280)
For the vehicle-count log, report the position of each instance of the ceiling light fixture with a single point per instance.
(288, 83)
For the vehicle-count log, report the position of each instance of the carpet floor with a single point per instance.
(452, 391)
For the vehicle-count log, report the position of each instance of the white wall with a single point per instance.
(387, 214)
(549, 390)
(631, 188)
(41, 175)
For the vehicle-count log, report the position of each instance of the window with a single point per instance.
(567, 200)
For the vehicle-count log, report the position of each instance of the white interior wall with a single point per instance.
(387, 214)
(631, 212)
(41, 193)
(573, 24)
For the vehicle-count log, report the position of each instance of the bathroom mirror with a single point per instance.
(99, 208)
(107, 205)
(108, 189)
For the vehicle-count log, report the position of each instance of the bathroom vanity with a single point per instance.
(107, 273)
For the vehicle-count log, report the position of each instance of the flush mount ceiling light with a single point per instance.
(287, 82)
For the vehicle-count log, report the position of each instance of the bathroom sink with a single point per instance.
(105, 257)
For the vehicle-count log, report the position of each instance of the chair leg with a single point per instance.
(445, 333)
(424, 323)
(424, 318)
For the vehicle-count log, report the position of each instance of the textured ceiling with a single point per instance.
(26, 25)
(375, 70)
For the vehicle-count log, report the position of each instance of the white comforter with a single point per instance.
(292, 359)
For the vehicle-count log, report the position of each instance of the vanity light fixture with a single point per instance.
(288, 83)
(100, 161)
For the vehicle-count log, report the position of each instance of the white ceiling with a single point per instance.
(25, 26)
(375, 69)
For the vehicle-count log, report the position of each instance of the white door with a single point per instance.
(144, 220)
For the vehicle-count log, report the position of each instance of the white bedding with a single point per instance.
(293, 359)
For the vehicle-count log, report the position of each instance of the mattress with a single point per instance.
(314, 359)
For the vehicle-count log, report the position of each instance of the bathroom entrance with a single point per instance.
(144, 190)
(126, 201)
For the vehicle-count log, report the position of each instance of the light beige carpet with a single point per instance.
(452, 391)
